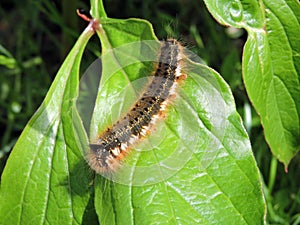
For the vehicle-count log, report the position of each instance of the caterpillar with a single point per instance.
(109, 148)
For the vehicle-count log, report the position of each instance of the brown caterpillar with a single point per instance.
(108, 150)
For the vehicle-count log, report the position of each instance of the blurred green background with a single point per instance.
(35, 37)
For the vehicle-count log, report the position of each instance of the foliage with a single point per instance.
(53, 175)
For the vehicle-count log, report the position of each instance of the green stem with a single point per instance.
(97, 9)
(272, 174)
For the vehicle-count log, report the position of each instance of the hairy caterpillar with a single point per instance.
(108, 150)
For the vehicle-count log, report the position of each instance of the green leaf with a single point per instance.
(236, 13)
(6, 59)
(208, 173)
(44, 181)
(270, 66)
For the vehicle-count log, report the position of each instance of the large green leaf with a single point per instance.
(271, 65)
(196, 166)
(44, 181)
